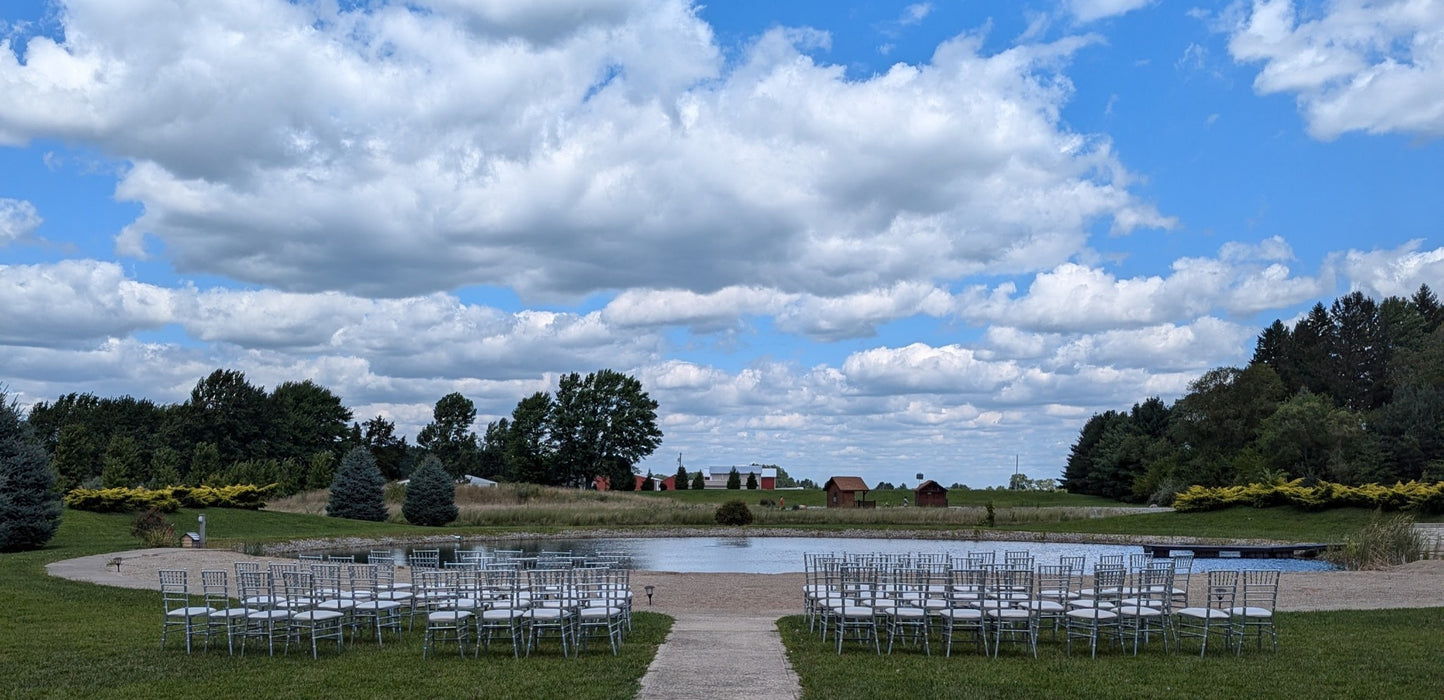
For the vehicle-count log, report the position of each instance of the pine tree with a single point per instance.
(358, 491)
(649, 483)
(29, 505)
(698, 483)
(680, 480)
(751, 481)
(430, 496)
(734, 480)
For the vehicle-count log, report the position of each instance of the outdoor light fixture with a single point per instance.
(650, 590)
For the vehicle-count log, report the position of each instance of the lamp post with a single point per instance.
(649, 589)
(202, 519)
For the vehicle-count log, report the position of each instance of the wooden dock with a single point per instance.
(1236, 551)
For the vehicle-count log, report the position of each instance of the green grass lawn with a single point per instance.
(1354, 654)
(62, 638)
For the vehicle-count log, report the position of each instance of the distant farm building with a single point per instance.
(602, 483)
(930, 494)
(716, 477)
(847, 492)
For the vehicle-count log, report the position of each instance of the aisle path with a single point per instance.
(721, 655)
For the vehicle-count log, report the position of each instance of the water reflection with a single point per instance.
(778, 555)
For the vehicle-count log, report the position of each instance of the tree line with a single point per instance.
(230, 431)
(1352, 393)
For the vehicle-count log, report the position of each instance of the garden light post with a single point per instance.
(650, 589)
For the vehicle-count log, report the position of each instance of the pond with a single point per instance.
(780, 555)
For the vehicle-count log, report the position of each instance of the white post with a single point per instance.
(202, 543)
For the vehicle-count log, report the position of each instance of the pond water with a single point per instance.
(780, 555)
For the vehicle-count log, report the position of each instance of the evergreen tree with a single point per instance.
(698, 483)
(29, 505)
(165, 466)
(734, 480)
(121, 465)
(680, 480)
(751, 481)
(430, 495)
(649, 483)
(358, 491)
(77, 456)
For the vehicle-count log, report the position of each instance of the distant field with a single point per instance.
(894, 497)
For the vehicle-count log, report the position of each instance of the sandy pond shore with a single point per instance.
(1416, 585)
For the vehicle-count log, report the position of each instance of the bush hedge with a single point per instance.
(1413, 496)
(734, 513)
(169, 499)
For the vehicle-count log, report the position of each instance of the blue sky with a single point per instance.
(871, 238)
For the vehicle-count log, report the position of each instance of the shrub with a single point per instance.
(1384, 541)
(126, 500)
(734, 513)
(358, 491)
(29, 506)
(431, 495)
(153, 529)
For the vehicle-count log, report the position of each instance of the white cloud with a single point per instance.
(560, 149)
(76, 302)
(915, 13)
(1397, 272)
(1093, 10)
(1356, 65)
(1243, 280)
(920, 368)
(18, 218)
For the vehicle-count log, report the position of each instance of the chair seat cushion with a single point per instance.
(496, 614)
(1091, 614)
(317, 616)
(449, 616)
(1202, 613)
(1140, 611)
(193, 611)
(961, 613)
(1251, 612)
(599, 612)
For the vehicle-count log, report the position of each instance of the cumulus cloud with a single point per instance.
(77, 301)
(559, 149)
(18, 218)
(1355, 65)
(1396, 272)
(1243, 280)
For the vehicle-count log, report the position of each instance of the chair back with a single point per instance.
(1258, 589)
(1222, 589)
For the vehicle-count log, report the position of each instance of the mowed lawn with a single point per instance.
(62, 638)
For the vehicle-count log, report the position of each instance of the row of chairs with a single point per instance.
(316, 601)
(571, 605)
(861, 598)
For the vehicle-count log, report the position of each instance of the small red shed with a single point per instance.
(847, 492)
(930, 494)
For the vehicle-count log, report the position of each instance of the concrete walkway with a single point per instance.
(714, 655)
